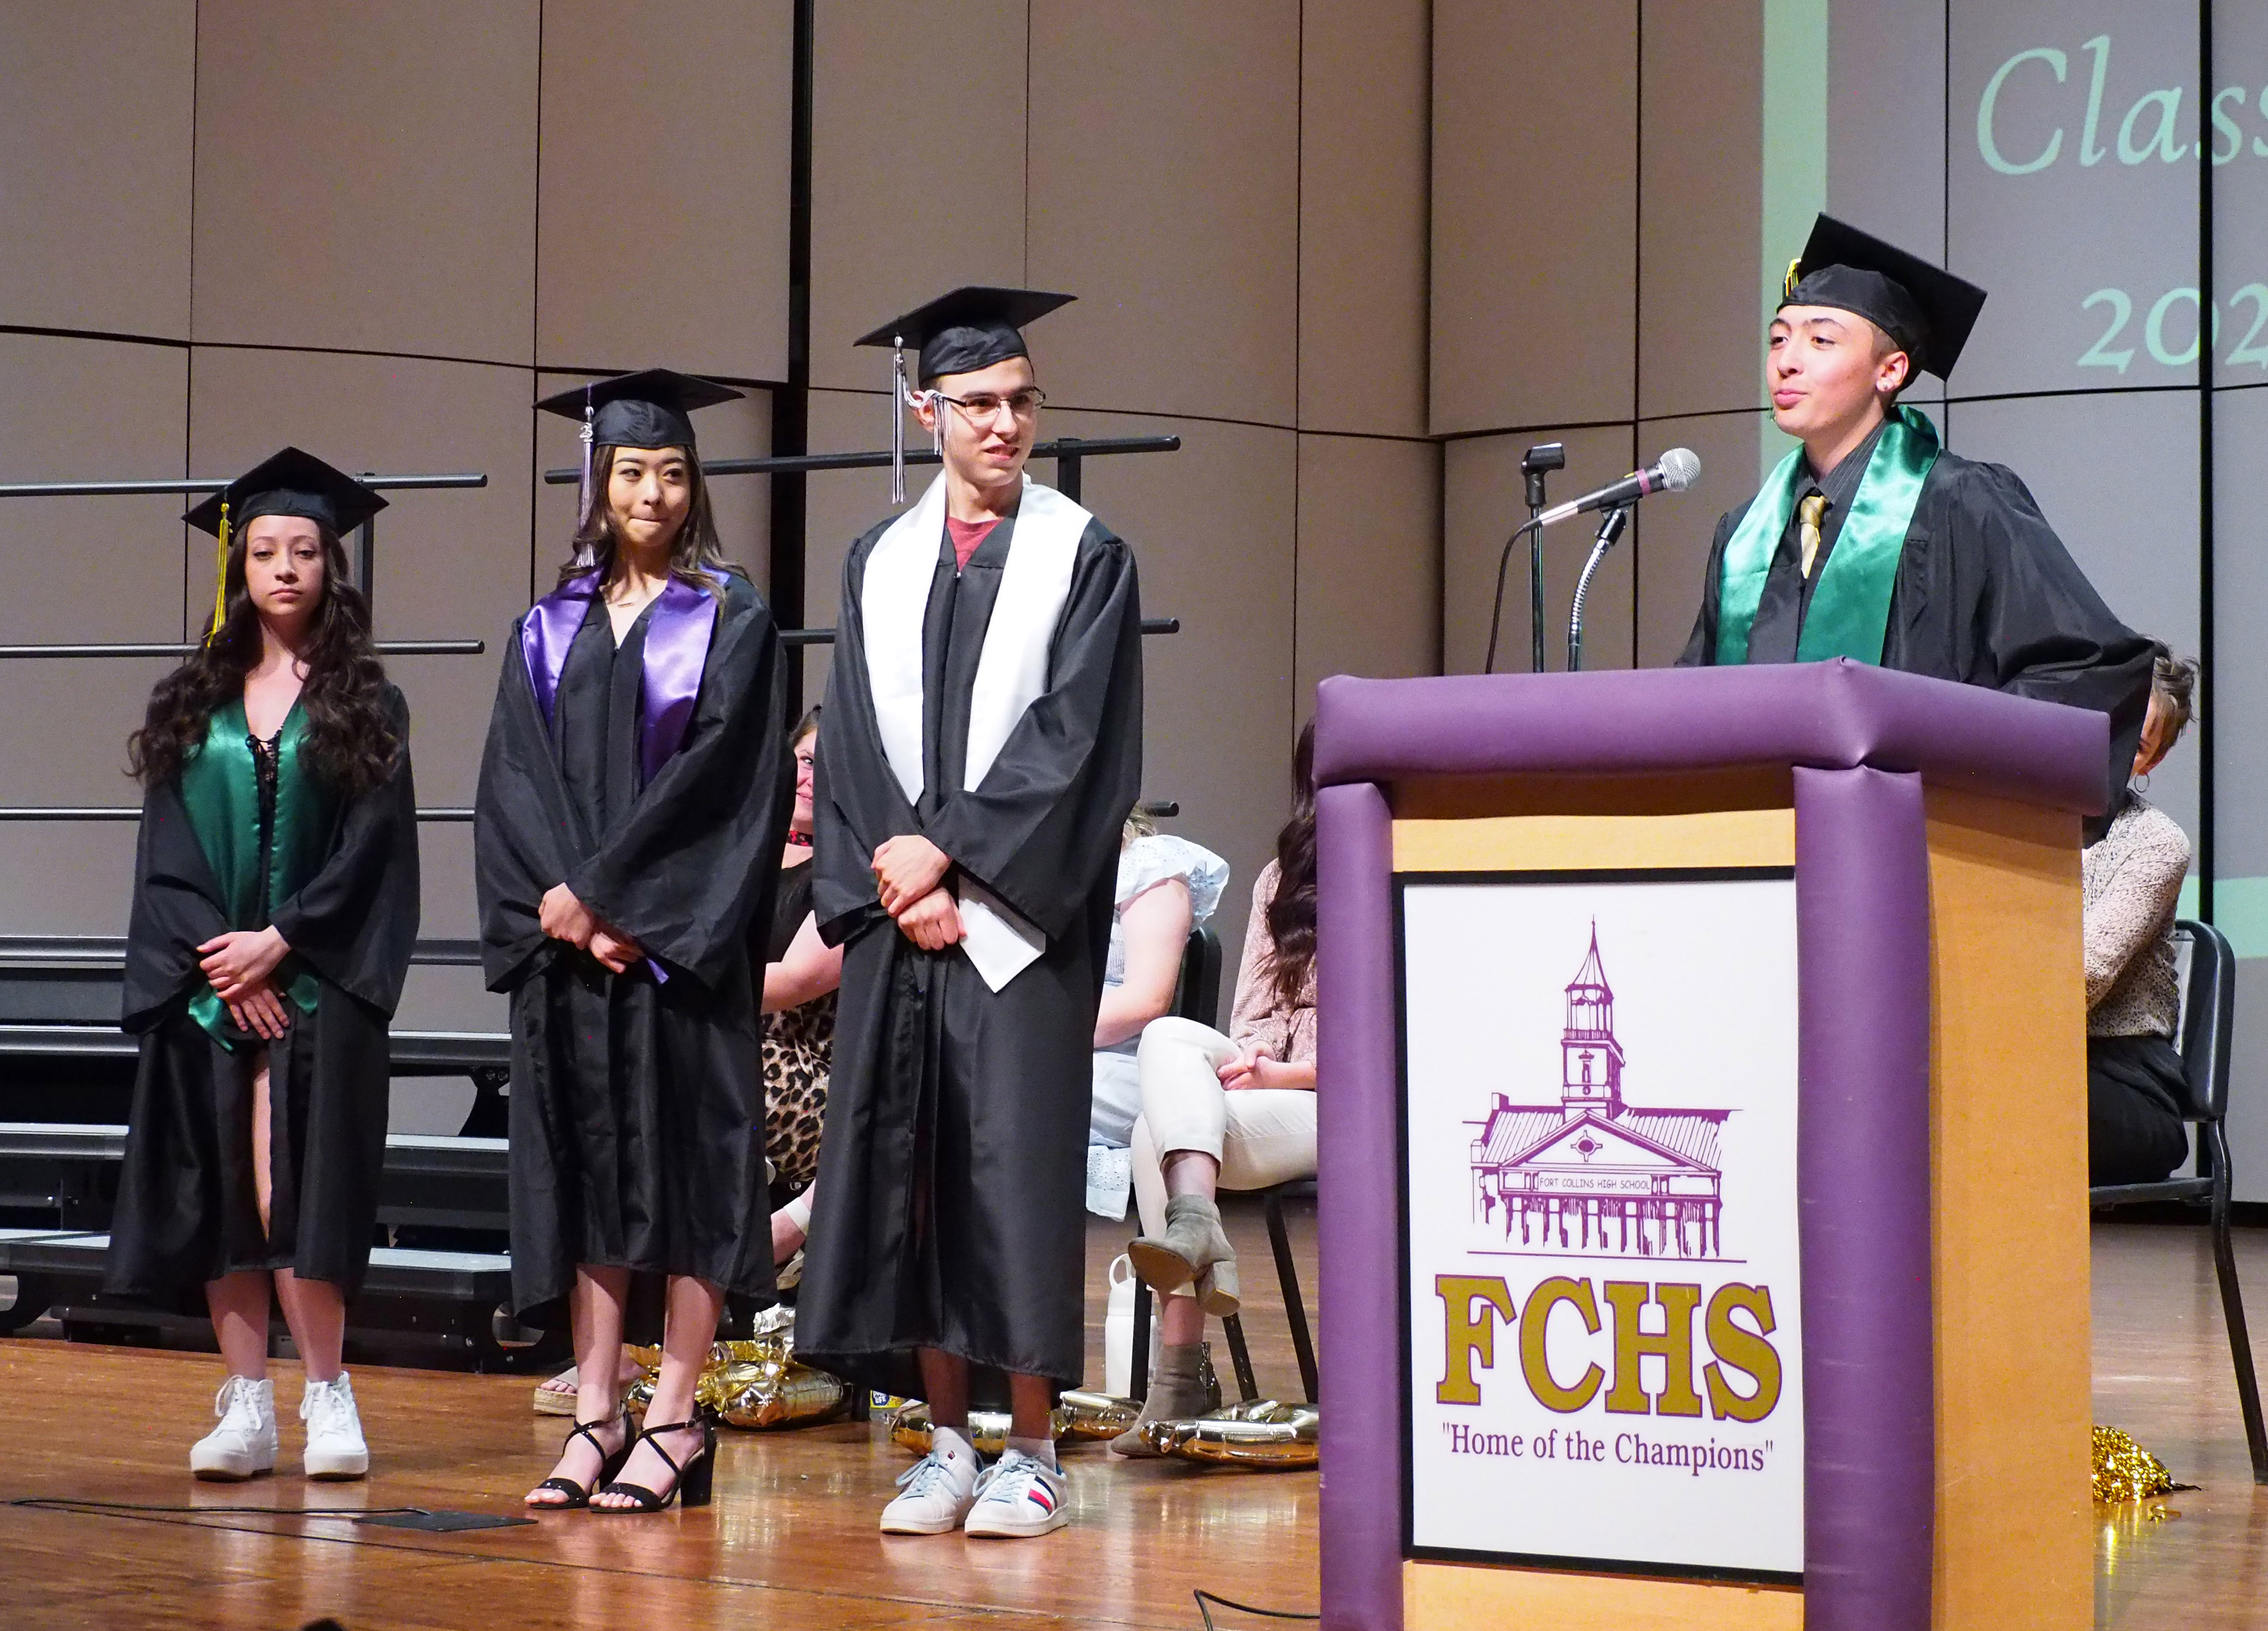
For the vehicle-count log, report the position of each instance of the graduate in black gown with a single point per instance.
(275, 910)
(1872, 541)
(983, 744)
(632, 803)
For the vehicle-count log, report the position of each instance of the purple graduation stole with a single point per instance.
(676, 650)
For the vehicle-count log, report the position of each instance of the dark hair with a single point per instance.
(695, 554)
(806, 725)
(351, 741)
(2174, 681)
(1291, 909)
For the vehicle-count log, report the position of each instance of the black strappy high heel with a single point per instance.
(577, 1496)
(695, 1478)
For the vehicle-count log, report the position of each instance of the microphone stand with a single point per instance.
(1610, 529)
(1533, 465)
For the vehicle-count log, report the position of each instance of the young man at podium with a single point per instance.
(1874, 543)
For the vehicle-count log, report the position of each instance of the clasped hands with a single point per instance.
(910, 876)
(562, 917)
(237, 965)
(1253, 1067)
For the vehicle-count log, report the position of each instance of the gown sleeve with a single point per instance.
(855, 800)
(696, 860)
(176, 909)
(355, 922)
(1701, 646)
(1045, 821)
(2045, 631)
(524, 832)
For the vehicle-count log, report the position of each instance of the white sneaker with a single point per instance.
(1019, 1496)
(938, 1488)
(244, 1444)
(335, 1449)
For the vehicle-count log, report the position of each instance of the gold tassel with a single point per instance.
(220, 577)
(1787, 284)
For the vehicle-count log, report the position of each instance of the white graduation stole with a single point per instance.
(1012, 672)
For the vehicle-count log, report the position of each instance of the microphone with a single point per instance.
(1673, 472)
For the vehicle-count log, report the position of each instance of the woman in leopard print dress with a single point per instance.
(801, 974)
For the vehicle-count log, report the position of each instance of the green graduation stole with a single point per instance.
(220, 788)
(1849, 611)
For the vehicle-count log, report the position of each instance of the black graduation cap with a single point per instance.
(1925, 309)
(646, 410)
(970, 329)
(973, 328)
(291, 483)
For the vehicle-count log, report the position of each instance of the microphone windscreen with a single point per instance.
(1680, 468)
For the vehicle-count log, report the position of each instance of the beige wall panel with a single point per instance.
(1535, 212)
(906, 201)
(93, 410)
(366, 175)
(95, 145)
(1701, 213)
(841, 504)
(62, 733)
(1163, 178)
(450, 565)
(76, 879)
(707, 90)
(735, 430)
(1370, 561)
(1482, 503)
(1365, 84)
(1213, 529)
(1675, 530)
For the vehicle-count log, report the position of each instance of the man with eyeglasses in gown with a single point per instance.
(983, 746)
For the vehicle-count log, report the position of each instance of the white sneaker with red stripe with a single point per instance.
(1018, 1495)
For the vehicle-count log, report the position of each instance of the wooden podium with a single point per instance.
(1567, 1337)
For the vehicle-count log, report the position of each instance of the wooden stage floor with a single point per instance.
(791, 1541)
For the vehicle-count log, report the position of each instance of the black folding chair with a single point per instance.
(2208, 1016)
(1198, 998)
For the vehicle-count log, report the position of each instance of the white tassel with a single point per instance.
(899, 398)
(583, 488)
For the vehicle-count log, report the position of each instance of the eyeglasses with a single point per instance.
(986, 406)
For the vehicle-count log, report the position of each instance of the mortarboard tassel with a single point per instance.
(1787, 284)
(220, 576)
(583, 488)
(899, 398)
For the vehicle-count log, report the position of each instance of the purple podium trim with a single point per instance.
(1830, 715)
(1864, 741)
(1863, 1196)
(1359, 1225)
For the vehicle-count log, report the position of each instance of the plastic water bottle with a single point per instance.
(1118, 1330)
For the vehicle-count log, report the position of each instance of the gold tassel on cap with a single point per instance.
(220, 577)
(1787, 284)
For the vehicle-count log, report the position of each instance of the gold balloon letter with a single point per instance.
(1674, 1345)
(1745, 1351)
(1469, 1304)
(1535, 1365)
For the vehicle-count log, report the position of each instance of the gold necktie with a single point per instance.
(1809, 513)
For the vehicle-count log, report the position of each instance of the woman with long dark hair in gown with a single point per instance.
(275, 910)
(632, 804)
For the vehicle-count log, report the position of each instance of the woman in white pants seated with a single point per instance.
(1235, 1111)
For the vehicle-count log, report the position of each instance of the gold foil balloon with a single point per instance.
(1256, 1433)
(2123, 1470)
(1095, 1415)
(755, 1383)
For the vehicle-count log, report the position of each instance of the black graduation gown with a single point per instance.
(1985, 594)
(186, 1211)
(637, 1103)
(951, 1175)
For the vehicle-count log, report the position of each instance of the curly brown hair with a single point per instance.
(351, 739)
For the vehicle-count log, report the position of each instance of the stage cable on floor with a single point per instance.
(1204, 1598)
(65, 1503)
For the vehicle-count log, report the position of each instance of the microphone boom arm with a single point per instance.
(1610, 529)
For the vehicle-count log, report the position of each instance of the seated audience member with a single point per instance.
(800, 976)
(1166, 886)
(2130, 879)
(1235, 1112)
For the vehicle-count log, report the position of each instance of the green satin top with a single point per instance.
(1849, 611)
(261, 853)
